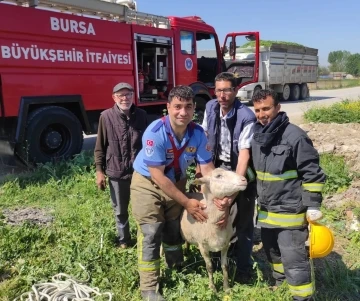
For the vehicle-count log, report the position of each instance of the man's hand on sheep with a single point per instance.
(224, 219)
(195, 209)
(226, 202)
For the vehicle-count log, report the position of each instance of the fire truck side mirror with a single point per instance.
(224, 50)
(250, 37)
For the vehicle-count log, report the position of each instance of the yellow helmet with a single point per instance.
(321, 240)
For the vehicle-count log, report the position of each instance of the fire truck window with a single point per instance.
(207, 58)
(187, 42)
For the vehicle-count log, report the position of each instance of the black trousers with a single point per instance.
(286, 252)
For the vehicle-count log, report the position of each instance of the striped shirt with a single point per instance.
(225, 138)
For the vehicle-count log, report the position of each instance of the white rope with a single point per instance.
(63, 288)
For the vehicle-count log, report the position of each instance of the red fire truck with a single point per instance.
(59, 60)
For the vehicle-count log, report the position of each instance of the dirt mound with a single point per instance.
(344, 140)
(31, 215)
(340, 139)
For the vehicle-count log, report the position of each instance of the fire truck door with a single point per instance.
(241, 54)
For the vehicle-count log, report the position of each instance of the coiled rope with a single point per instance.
(63, 288)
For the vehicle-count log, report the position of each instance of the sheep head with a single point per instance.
(222, 183)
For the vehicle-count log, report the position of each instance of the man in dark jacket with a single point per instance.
(289, 185)
(228, 124)
(118, 142)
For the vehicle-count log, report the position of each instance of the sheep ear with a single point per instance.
(199, 181)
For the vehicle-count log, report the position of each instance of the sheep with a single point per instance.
(208, 237)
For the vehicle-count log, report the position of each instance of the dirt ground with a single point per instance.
(343, 140)
(340, 139)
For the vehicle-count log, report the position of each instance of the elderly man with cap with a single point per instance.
(117, 144)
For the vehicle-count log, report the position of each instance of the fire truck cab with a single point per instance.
(59, 60)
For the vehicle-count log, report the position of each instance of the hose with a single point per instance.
(62, 288)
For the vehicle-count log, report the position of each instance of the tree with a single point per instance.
(322, 70)
(352, 65)
(337, 60)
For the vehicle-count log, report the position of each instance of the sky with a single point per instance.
(327, 25)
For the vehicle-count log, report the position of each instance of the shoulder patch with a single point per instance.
(150, 143)
(149, 151)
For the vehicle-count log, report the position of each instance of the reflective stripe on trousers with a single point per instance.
(158, 220)
(286, 252)
(304, 290)
(151, 265)
(278, 267)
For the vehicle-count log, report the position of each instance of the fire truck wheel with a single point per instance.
(52, 133)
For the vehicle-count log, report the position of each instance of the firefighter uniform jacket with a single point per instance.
(289, 178)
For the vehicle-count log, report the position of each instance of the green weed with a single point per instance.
(83, 231)
(337, 172)
(346, 111)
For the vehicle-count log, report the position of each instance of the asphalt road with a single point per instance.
(295, 110)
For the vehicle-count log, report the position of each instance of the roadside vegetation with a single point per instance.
(74, 225)
(329, 84)
(347, 111)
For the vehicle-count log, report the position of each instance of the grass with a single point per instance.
(83, 231)
(328, 84)
(347, 111)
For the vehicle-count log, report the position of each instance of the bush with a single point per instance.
(338, 175)
(344, 112)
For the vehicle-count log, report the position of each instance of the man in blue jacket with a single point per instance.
(228, 124)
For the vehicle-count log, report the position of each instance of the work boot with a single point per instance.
(151, 296)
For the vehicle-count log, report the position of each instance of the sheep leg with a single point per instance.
(224, 267)
(206, 255)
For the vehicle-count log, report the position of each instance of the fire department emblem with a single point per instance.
(188, 64)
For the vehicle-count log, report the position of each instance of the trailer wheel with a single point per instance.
(304, 91)
(286, 92)
(52, 133)
(295, 92)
